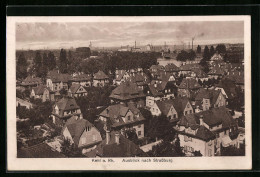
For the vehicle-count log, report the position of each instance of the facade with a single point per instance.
(77, 90)
(188, 87)
(126, 92)
(208, 131)
(100, 79)
(121, 76)
(57, 81)
(82, 79)
(42, 92)
(81, 132)
(122, 117)
(21, 102)
(65, 109)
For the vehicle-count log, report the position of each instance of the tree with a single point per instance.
(63, 61)
(51, 61)
(199, 49)
(131, 135)
(44, 67)
(221, 48)
(211, 51)
(63, 92)
(206, 54)
(37, 64)
(21, 67)
(69, 149)
(192, 55)
(233, 151)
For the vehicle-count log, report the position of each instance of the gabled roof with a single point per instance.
(67, 103)
(74, 88)
(30, 80)
(125, 148)
(59, 77)
(157, 67)
(40, 89)
(153, 91)
(81, 77)
(229, 87)
(41, 150)
(76, 127)
(180, 103)
(207, 94)
(164, 106)
(139, 79)
(114, 113)
(189, 67)
(171, 68)
(199, 72)
(189, 83)
(120, 73)
(100, 75)
(127, 90)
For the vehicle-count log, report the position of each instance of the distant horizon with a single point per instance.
(65, 35)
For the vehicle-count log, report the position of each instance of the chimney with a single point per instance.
(117, 138)
(108, 136)
(201, 120)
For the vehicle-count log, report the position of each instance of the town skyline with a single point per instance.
(115, 34)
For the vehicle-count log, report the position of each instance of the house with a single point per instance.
(188, 87)
(237, 76)
(156, 68)
(123, 117)
(21, 102)
(216, 57)
(172, 69)
(206, 99)
(116, 145)
(57, 81)
(166, 109)
(207, 131)
(216, 73)
(159, 91)
(227, 88)
(77, 90)
(126, 92)
(42, 92)
(140, 79)
(173, 109)
(81, 132)
(198, 74)
(30, 82)
(42, 150)
(64, 109)
(100, 79)
(187, 68)
(82, 79)
(121, 76)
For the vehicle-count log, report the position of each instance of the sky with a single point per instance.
(116, 34)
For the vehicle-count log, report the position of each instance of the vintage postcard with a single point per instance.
(129, 93)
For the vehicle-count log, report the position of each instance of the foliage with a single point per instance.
(131, 135)
(51, 61)
(63, 92)
(233, 151)
(167, 149)
(37, 64)
(69, 149)
(197, 154)
(211, 51)
(199, 49)
(206, 54)
(241, 121)
(221, 48)
(63, 61)
(184, 55)
(237, 102)
(21, 67)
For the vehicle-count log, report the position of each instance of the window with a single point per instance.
(185, 113)
(190, 111)
(128, 117)
(174, 115)
(139, 133)
(210, 152)
(139, 126)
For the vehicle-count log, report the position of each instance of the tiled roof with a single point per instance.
(100, 75)
(40, 89)
(139, 79)
(81, 77)
(229, 87)
(207, 94)
(41, 150)
(157, 67)
(125, 148)
(189, 83)
(127, 90)
(180, 103)
(58, 77)
(114, 113)
(199, 73)
(237, 76)
(171, 68)
(76, 127)
(74, 88)
(189, 67)
(217, 71)
(31, 81)
(164, 106)
(67, 103)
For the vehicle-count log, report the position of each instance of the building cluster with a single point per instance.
(197, 113)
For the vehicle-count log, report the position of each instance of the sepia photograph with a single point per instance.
(144, 93)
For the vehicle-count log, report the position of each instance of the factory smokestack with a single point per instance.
(192, 42)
